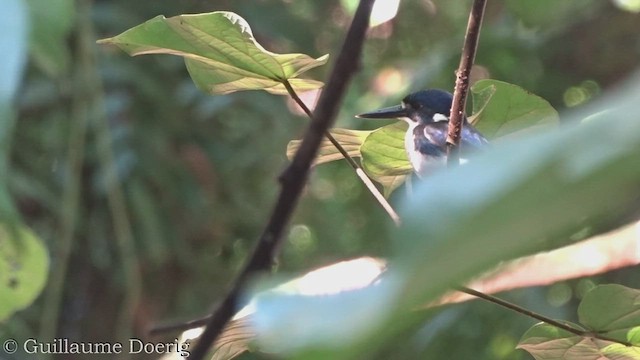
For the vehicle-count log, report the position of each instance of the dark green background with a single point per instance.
(199, 173)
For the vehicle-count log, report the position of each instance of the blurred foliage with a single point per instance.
(518, 198)
(198, 174)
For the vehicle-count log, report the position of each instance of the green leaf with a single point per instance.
(351, 140)
(220, 52)
(501, 109)
(621, 320)
(234, 340)
(23, 268)
(608, 310)
(384, 157)
(546, 342)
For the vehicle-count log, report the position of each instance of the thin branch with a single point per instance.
(462, 81)
(294, 177)
(453, 158)
(361, 174)
(537, 316)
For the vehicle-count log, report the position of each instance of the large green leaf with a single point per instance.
(621, 320)
(515, 199)
(500, 109)
(546, 342)
(351, 141)
(608, 310)
(24, 265)
(220, 52)
(384, 157)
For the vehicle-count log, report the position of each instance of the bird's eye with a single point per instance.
(411, 106)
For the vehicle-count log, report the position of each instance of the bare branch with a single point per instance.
(294, 177)
(539, 317)
(462, 81)
(354, 165)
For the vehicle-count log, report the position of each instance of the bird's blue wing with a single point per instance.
(472, 139)
(430, 139)
(435, 135)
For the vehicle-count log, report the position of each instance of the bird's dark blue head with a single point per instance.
(424, 106)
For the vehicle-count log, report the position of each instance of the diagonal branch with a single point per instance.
(361, 174)
(539, 317)
(294, 177)
(462, 81)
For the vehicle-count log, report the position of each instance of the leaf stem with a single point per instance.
(534, 315)
(462, 82)
(359, 171)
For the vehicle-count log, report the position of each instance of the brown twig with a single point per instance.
(462, 81)
(453, 157)
(359, 172)
(294, 177)
(537, 316)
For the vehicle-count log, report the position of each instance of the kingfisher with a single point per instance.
(427, 112)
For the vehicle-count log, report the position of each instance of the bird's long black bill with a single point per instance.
(385, 113)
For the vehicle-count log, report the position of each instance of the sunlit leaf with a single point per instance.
(607, 310)
(351, 140)
(546, 342)
(340, 277)
(500, 109)
(621, 320)
(220, 52)
(234, 340)
(350, 280)
(628, 5)
(24, 265)
(613, 250)
(384, 157)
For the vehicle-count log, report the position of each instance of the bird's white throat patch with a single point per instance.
(440, 117)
